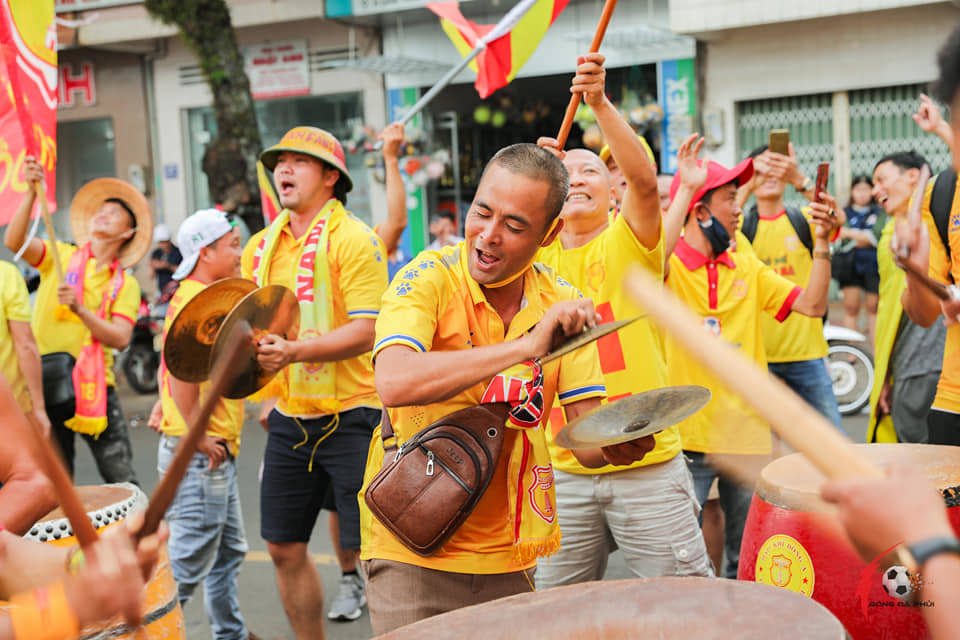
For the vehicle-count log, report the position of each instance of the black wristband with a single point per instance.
(926, 549)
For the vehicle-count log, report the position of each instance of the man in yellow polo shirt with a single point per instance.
(207, 542)
(327, 405)
(90, 314)
(462, 326)
(19, 355)
(796, 349)
(730, 291)
(647, 510)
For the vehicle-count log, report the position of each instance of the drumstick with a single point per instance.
(793, 419)
(936, 288)
(567, 124)
(223, 376)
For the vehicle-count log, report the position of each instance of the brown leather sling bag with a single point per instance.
(429, 486)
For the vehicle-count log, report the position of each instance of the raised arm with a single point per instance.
(641, 202)
(813, 300)
(929, 118)
(391, 230)
(692, 176)
(16, 231)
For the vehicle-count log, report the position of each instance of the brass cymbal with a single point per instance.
(190, 339)
(586, 337)
(271, 309)
(633, 417)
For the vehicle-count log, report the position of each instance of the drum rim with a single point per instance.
(59, 528)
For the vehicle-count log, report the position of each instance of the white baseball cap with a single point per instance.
(161, 233)
(200, 230)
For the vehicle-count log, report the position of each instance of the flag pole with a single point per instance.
(594, 47)
(51, 232)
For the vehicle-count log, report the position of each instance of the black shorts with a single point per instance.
(291, 495)
(944, 427)
(848, 273)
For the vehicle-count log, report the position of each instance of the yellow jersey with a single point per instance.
(798, 337)
(946, 269)
(14, 307)
(434, 305)
(729, 294)
(358, 278)
(632, 358)
(69, 335)
(227, 419)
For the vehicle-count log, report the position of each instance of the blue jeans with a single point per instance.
(810, 379)
(734, 501)
(207, 543)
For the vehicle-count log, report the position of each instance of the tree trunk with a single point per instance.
(230, 160)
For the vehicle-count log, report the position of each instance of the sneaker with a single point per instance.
(350, 599)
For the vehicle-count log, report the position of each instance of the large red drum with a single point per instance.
(702, 608)
(793, 540)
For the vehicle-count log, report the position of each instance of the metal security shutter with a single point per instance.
(809, 119)
(881, 122)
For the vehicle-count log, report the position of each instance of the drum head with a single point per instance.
(105, 504)
(703, 608)
(791, 482)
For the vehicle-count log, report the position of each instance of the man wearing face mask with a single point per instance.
(730, 291)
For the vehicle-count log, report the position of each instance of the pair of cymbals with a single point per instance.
(197, 336)
(636, 416)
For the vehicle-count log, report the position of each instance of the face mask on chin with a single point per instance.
(716, 234)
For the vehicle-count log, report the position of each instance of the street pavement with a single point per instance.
(259, 600)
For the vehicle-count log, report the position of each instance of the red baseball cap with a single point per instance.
(717, 176)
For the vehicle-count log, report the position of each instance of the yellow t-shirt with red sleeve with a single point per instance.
(226, 421)
(14, 307)
(69, 334)
(632, 358)
(358, 278)
(434, 305)
(946, 269)
(798, 337)
(729, 294)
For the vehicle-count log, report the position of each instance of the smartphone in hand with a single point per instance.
(823, 175)
(779, 141)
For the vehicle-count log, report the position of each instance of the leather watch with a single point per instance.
(930, 547)
(806, 186)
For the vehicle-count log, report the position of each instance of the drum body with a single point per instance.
(107, 505)
(793, 540)
(702, 608)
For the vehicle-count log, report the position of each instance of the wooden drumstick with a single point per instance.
(221, 379)
(567, 124)
(793, 419)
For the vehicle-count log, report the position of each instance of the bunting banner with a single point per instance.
(506, 52)
(28, 98)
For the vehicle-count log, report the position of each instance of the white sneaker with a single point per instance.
(350, 599)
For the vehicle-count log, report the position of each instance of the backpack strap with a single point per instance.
(941, 204)
(802, 227)
(749, 226)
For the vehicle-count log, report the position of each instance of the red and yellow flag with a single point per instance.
(269, 201)
(28, 97)
(504, 56)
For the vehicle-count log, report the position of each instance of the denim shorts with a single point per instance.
(303, 459)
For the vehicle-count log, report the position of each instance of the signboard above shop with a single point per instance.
(66, 6)
(336, 8)
(277, 69)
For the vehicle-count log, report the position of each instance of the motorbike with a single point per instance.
(140, 360)
(851, 367)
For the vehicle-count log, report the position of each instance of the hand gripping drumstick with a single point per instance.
(166, 489)
(608, 8)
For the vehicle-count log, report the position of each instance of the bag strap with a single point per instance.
(749, 226)
(941, 204)
(802, 227)
(386, 430)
